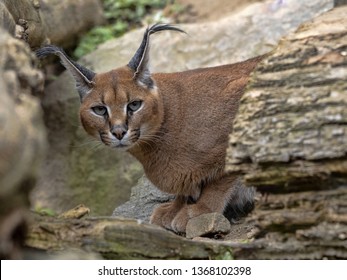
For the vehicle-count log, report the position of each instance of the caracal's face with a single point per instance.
(120, 112)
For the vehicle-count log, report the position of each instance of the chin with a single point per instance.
(120, 147)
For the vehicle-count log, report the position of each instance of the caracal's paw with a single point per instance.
(179, 223)
(164, 214)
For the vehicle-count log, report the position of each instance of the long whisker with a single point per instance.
(91, 145)
(97, 146)
(150, 140)
(85, 143)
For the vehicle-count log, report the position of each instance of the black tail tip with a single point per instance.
(47, 50)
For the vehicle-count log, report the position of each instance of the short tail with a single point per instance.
(241, 202)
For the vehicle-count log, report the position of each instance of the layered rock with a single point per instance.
(289, 140)
(22, 131)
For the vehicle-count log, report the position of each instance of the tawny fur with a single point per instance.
(179, 133)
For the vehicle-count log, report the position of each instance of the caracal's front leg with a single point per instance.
(166, 212)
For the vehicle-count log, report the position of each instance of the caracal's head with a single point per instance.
(122, 107)
(119, 111)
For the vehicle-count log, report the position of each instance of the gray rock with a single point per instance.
(298, 106)
(252, 31)
(207, 224)
(22, 19)
(293, 116)
(22, 139)
(22, 134)
(44, 21)
(65, 21)
(144, 198)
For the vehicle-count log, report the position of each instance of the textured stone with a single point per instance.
(22, 139)
(207, 225)
(143, 199)
(250, 32)
(22, 19)
(290, 141)
(302, 126)
(57, 22)
(116, 238)
(67, 20)
(22, 134)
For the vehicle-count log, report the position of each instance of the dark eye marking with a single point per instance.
(100, 110)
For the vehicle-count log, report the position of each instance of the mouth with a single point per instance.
(124, 143)
(120, 146)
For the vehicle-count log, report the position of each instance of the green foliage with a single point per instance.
(44, 211)
(121, 16)
(130, 10)
(226, 255)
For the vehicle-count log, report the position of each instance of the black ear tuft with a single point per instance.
(140, 61)
(83, 76)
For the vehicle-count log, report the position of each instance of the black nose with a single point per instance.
(119, 131)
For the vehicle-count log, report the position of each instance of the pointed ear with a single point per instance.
(140, 61)
(83, 76)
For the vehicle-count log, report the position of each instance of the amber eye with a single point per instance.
(134, 106)
(100, 110)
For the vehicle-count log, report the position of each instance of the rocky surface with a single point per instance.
(22, 139)
(143, 199)
(250, 32)
(206, 10)
(307, 117)
(117, 238)
(67, 177)
(289, 140)
(49, 21)
(22, 19)
(67, 20)
(208, 225)
(37, 23)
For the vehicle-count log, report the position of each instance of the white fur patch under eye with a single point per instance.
(139, 109)
(108, 112)
(94, 114)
